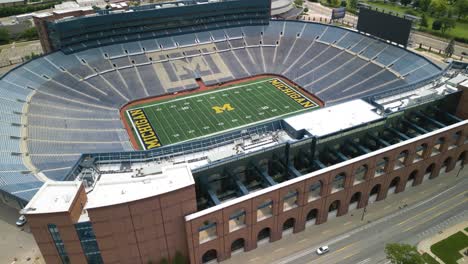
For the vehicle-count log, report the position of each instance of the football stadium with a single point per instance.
(203, 128)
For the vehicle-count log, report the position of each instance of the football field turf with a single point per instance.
(206, 113)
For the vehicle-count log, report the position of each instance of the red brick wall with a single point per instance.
(222, 244)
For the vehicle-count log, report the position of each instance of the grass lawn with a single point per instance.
(428, 259)
(460, 30)
(206, 113)
(447, 249)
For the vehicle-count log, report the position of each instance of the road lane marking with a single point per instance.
(436, 215)
(430, 209)
(303, 240)
(364, 261)
(254, 259)
(350, 255)
(347, 223)
(278, 249)
(343, 248)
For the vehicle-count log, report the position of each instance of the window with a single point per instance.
(88, 242)
(381, 166)
(401, 159)
(290, 201)
(360, 174)
(420, 152)
(265, 210)
(338, 182)
(237, 220)
(54, 232)
(314, 191)
(207, 232)
(437, 148)
(455, 139)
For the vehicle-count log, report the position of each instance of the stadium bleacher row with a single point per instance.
(59, 106)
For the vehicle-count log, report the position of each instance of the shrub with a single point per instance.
(436, 25)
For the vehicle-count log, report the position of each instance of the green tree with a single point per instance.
(461, 8)
(179, 258)
(4, 36)
(438, 7)
(424, 5)
(30, 34)
(424, 22)
(447, 24)
(405, 2)
(436, 25)
(298, 3)
(353, 4)
(403, 254)
(450, 48)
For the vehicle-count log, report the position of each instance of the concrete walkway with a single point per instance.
(425, 245)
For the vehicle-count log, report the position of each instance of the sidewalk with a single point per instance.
(316, 234)
(425, 245)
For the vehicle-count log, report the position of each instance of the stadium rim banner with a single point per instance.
(146, 133)
(338, 13)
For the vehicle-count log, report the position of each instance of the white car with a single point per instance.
(322, 250)
(21, 220)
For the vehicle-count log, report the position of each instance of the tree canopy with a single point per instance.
(403, 254)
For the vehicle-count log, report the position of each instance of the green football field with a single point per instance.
(201, 114)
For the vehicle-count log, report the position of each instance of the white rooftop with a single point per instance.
(53, 197)
(122, 187)
(334, 118)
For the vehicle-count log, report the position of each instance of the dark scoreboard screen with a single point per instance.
(385, 26)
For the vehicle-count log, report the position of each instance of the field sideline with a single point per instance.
(202, 114)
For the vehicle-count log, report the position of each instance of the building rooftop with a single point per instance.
(334, 118)
(53, 197)
(150, 180)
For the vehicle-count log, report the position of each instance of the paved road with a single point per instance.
(318, 10)
(431, 207)
(410, 225)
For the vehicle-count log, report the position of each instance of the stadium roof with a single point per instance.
(53, 197)
(125, 187)
(334, 118)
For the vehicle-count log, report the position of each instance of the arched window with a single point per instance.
(237, 220)
(401, 159)
(394, 185)
(335, 206)
(207, 232)
(315, 191)
(420, 152)
(238, 244)
(456, 138)
(312, 216)
(338, 182)
(290, 201)
(264, 234)
(381, 166)
(210, 255)
(289, 224)
(265, 210)
(437, 148)
(360, 174)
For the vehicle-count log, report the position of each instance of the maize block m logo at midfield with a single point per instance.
(144, 129)
(221, 109)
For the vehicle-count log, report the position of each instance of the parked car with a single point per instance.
(21, 220)
(322, 250)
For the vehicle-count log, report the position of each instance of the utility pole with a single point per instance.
(363, 213)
